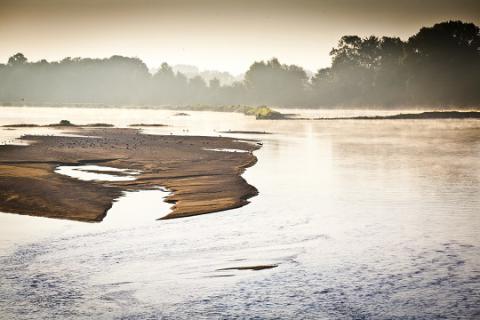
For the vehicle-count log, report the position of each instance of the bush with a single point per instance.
(65, 123)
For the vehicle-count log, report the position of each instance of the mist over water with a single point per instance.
(364, 219)
(362, 212)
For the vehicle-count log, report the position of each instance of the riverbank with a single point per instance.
(201, 180)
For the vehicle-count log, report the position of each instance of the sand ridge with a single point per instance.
(201, 180)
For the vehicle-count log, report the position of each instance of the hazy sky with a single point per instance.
(213, 34)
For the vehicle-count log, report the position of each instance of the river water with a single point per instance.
(363, 219)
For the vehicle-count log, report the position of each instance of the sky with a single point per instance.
(211, 34)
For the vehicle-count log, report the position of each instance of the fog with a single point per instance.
(225, 35)
(437, 66)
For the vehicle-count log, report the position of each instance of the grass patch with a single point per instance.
(265, 113)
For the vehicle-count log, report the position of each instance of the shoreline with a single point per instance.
(201, 180)
(429, 115)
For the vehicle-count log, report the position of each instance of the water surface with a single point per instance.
(365, 219)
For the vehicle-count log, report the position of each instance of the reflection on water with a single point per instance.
(97, 173)
(365, 219)
(135, 209)
(132, 210)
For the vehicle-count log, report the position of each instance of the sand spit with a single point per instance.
(245, 132)
(201, 181)
(62, 124)
(148, 125)
(433, 115)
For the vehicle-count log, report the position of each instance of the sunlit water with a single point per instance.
(365, 219)
(97, 173)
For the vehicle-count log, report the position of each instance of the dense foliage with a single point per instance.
(439, 65)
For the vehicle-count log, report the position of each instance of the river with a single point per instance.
(362, 219)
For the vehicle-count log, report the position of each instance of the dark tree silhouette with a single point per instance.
(17, 59)
(439, 65)
(444, 64)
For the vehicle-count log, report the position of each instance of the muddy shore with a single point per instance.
(201, 180)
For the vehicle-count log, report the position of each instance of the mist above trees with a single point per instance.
(439, 65)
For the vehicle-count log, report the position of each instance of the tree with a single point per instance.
(197, 88)
(17, 59)
(354, 62)
(444, 63)
(274, 83)
(438, 66)
(214, 84)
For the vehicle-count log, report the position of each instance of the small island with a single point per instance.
(433, 115)
(61, 124)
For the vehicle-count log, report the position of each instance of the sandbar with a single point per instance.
(200, 180)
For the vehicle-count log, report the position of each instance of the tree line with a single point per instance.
(438, 66)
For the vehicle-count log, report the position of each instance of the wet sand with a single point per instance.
(245, 132)
(201, 180)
